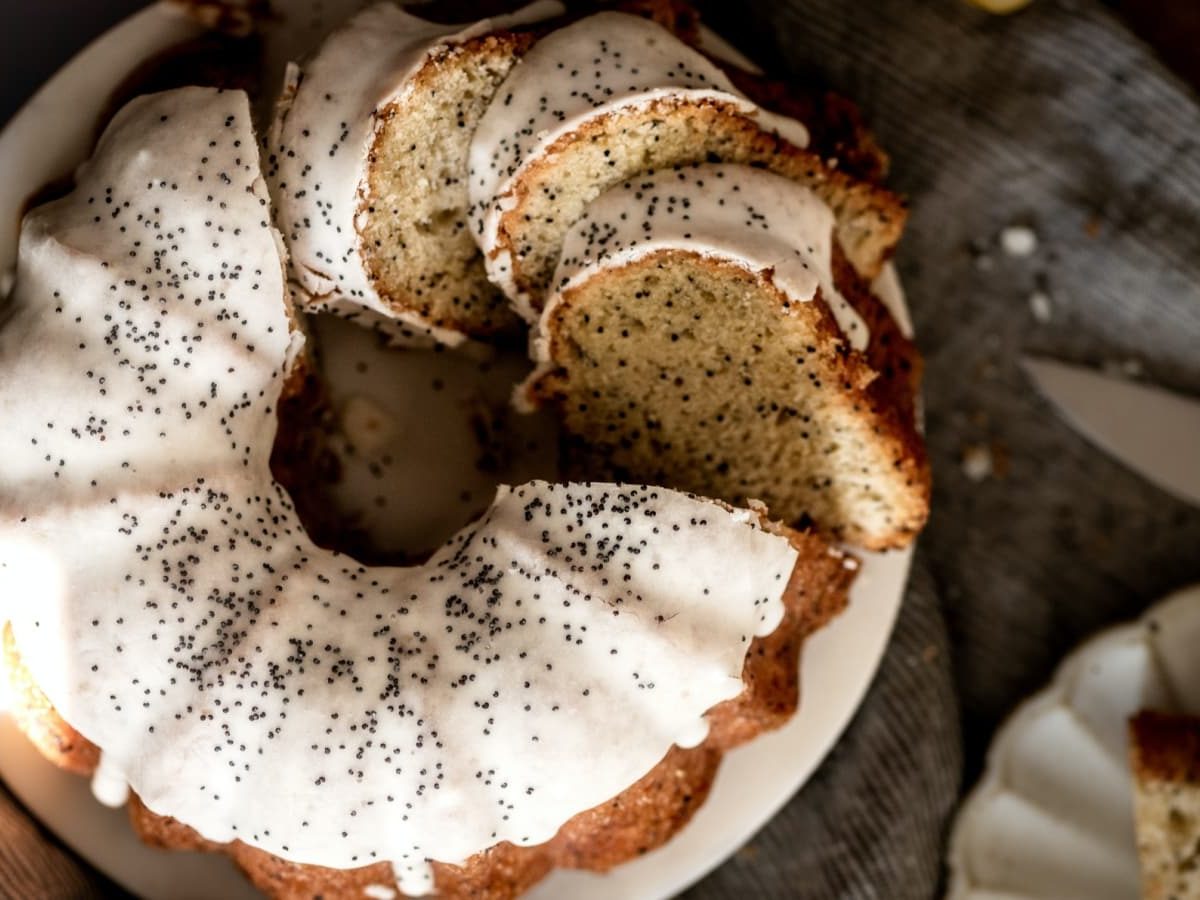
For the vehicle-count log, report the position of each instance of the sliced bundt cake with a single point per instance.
(171, 624)
(641, 817)
(1165, 754)
(367, 164)
(701, 335)
(614, 95)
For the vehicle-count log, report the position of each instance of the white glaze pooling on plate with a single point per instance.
(754, 781)
(758, 220)
(252, 685)
(1053, 815)
(596, 67)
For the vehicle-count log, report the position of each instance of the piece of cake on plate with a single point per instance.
(1165, 755)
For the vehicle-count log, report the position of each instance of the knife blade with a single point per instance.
(1154, 432)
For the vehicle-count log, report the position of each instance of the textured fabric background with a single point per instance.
(1058, 119)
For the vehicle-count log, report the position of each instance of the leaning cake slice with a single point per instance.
(612, 96)
(704, 333)
(367, 164)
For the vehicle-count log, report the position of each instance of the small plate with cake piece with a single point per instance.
(1054, 813)
(401, 409)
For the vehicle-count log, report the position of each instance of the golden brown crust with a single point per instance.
(301, 455)
(893, 357)
(835, 124)
(637, 820)
(893, 393)
(1165, 747)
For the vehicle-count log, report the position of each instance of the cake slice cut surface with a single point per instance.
(698, 337)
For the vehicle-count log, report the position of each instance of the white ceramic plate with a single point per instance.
(50, 135)
(1052, 816)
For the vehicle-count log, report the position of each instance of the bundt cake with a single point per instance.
(1165, 755)
(367, 166)
(695, 275)
(609, 97)
(335, 726)
(698, 336)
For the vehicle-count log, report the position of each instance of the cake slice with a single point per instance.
(367, 167)
(1165, 755)
(614, 95)
(704, 333)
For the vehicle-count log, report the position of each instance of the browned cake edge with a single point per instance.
(1165, 747)
(835, 123)
(868, 217)
(842, 148)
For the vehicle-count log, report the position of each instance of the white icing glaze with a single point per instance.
(108, 783)
(165, 596)
(595, 67)
(758, 220)
(319, 147)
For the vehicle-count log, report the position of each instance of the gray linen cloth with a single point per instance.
(1060, 120)
(1057, 119)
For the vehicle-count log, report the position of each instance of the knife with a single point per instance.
(1152, 431)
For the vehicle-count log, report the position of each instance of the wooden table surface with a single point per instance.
(37, 38)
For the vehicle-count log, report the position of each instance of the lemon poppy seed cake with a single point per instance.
(697, 336)
(338, 728)
(606, 98)
(731, 397)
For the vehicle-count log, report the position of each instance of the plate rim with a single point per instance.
(991, 781)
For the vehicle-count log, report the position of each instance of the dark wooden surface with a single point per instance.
(37, 38)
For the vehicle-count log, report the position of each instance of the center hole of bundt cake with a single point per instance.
(387, 452)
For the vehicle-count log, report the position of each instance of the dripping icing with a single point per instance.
(108, 782)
